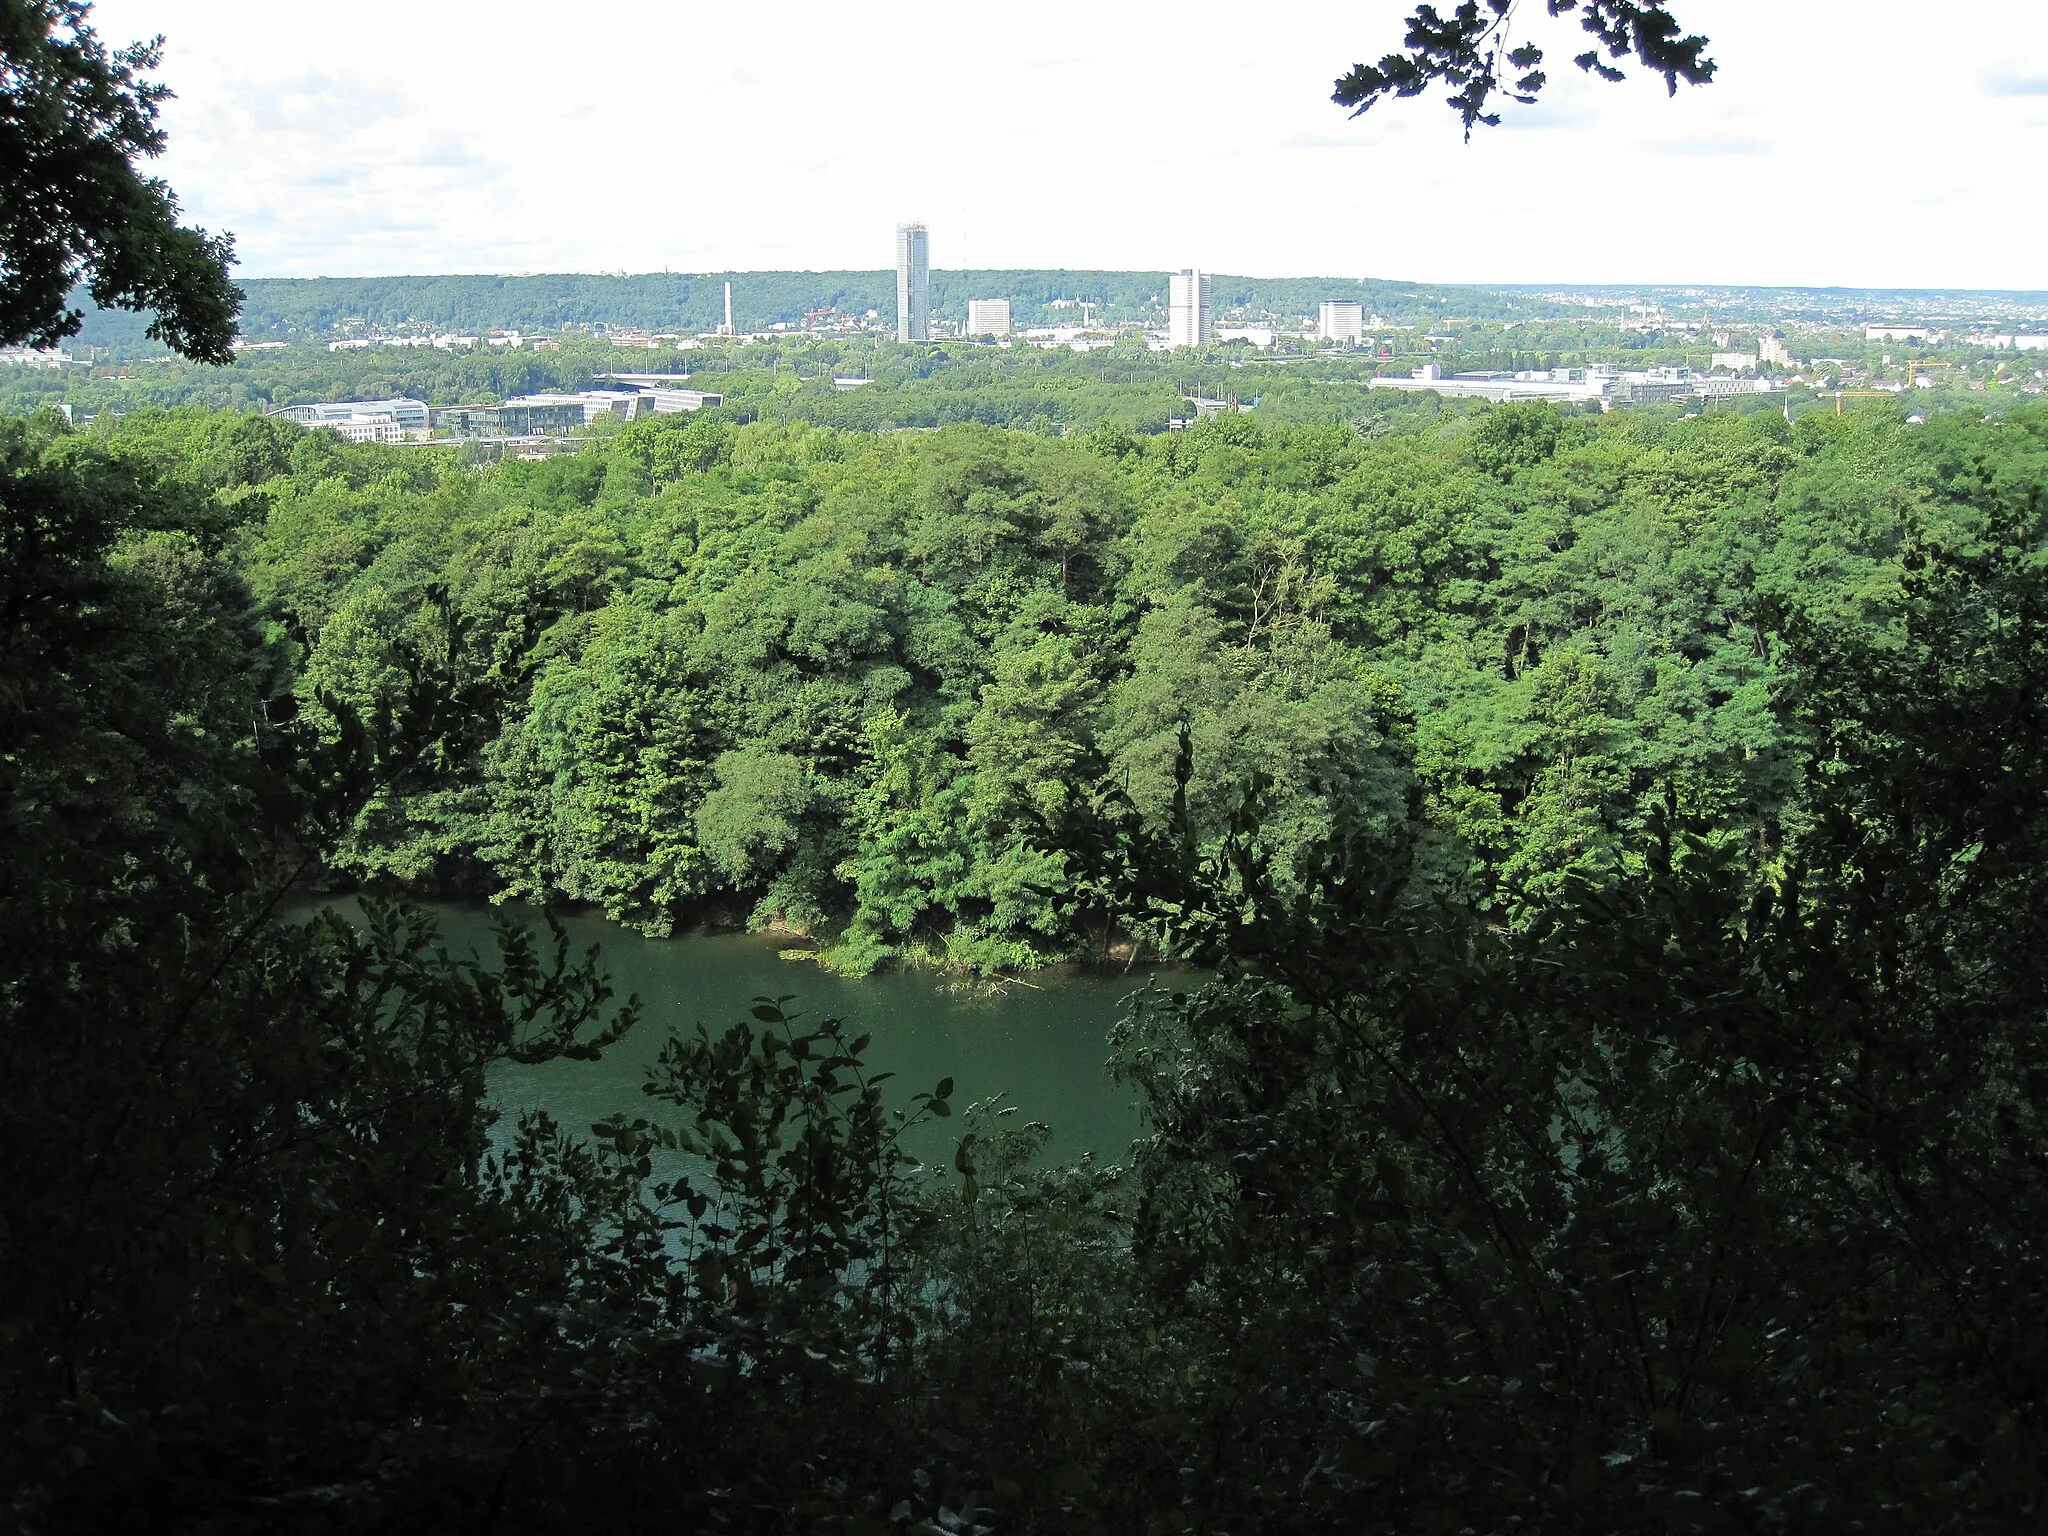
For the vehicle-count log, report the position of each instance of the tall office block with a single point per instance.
(988, 317)
(913, 283)
(1341, 320)
(1187, 309)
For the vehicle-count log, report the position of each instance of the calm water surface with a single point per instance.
(1042, 1045)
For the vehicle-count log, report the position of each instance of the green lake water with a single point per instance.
(1041, 1045)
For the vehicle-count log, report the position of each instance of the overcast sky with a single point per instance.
(1847, 142)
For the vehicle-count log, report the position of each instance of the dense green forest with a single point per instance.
(1593, 874)
(839, 683)
(1599, 1090)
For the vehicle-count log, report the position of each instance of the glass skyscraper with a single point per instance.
(913, 283)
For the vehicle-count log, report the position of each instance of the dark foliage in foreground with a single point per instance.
(1475, 49)
(1706, 1195)
(75, 208)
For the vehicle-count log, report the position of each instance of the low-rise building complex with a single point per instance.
(1599, 383)
(363, 421)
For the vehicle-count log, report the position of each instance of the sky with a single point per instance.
(1879, 143)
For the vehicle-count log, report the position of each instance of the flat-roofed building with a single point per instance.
(365, 429)
(1341, 320)
(409, 414)
(667, 390)
(510, 419)
(667, 402)
(34, 357)
(597, 403)
(988, 317)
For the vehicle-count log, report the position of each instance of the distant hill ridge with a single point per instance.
(305, 307)
(308, 308)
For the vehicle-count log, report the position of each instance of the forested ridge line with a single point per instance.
(851, 685)
(694, 302)
(317, 307)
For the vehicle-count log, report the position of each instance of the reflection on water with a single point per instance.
(1041, 1044)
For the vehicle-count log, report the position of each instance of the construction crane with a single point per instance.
(1913, 369)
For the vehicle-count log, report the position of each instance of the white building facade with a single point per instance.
(1341, 320)
(1188, 321)
(404, 413)
(596, 404)
(364, 429)
(988, 317)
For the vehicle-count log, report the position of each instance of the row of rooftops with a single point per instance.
(404, 418)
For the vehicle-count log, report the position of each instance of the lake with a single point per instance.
(1043, 1044)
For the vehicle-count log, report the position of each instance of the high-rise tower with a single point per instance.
(1187, 310)
(913, 283)
(726, 329)
(1341, 320)
(988, 317)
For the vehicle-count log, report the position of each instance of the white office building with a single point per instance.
(667, 402)
(1341, 320)
(666, 390)
(1599, 383)
(988, 317)
(43, 357)
(913, 283)
(597, 403)
(366, 429)
(1187, 309)
(404, 413)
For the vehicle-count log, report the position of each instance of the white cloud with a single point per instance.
(1866, 144)
(2016, 85)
